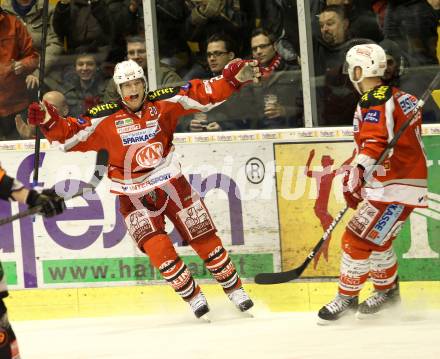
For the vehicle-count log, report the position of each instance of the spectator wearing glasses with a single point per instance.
(219, 52)
(276, 102)
(137, 51)
(208, 17)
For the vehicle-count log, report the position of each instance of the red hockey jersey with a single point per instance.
(141, 153)
(403, 176)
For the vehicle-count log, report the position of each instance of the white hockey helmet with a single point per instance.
(371, 58)
(126, 71)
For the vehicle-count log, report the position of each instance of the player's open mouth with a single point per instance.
(133, 97)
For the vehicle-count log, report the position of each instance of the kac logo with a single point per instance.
(150, 155)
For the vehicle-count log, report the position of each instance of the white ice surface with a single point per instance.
(231, 336)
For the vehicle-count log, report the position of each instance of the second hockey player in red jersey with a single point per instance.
(386, 200)
(146, 174)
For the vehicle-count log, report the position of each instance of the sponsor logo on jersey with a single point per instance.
(163, 93)
(150, 155)
(101, 108)
(124, 122)
(380, 231)
(380, 92)
(186, 87)
(130, 128)
(152, 123)
(363, 219)
(148, 183)
(80, 120)
(372, 116)
(139, 136)
(196, 220)
(407, 103)
(208, 88)
(139, 224)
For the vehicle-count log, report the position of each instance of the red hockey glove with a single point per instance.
(352, 186)
(239, 72)
(37, 113)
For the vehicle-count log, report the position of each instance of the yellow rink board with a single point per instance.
(156, 299)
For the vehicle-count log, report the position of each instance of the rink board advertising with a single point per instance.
(306, 208)
(89, 243)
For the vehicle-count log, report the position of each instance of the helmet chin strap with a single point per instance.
(356, 86)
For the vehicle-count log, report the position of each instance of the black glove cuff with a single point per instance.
(6, 185)
(32, 198)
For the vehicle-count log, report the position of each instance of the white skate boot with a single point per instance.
(241, 300)
(337, 308)
(199, 305)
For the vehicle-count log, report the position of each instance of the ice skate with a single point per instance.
(241, 300)
(379, 301)
(199, 305)
(338, 307)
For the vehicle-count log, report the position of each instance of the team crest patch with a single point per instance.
(150, 155)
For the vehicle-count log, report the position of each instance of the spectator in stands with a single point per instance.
(208, 17)
(55, 98)
(219, 52)
(410, 80)
(86, 87)
(18, 59)
(413, 25)
(30, 12)
(136, 51)
(395, 63)
(276, 102)
(281, 19)
(331, 44)
(362, 20)
(336, 97)
(85, 26)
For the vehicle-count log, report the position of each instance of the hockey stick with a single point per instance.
(283, 277)
(41, 73)
(98, 174)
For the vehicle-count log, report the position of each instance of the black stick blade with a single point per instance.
(275, 278)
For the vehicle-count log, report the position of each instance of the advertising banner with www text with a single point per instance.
(89, 245)
(309, 187)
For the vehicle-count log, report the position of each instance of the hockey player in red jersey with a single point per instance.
(388, 197)
(145, 171)
(51, 205)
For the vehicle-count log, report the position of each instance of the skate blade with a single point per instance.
(204, 319)
(247, 314)
(343, 319)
